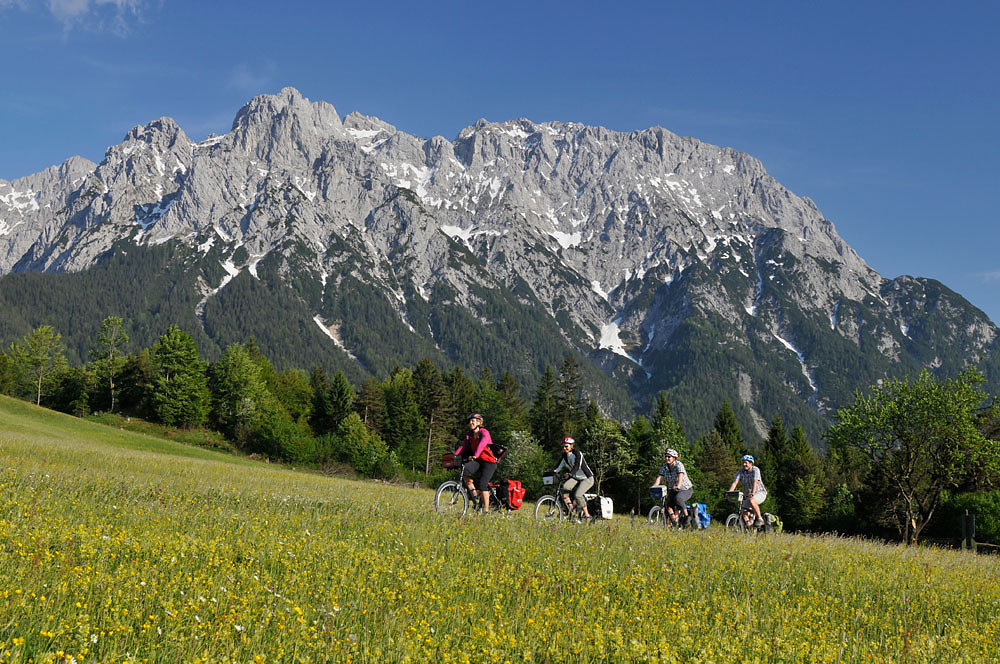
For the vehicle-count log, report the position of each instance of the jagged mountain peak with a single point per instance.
(633, 247)
(289, 103)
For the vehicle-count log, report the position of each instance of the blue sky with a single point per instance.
(884, 113)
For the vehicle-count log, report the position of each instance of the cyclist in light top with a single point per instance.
(475, 447)
(578, 476)
(752, 486)
(679, 488)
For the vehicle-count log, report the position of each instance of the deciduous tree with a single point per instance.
(921, 436)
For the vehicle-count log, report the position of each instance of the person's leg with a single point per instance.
(755, 501)
(484, 483)
(567, 488)
(581, 499)
(681, 499)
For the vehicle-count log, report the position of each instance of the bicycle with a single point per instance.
(666, 515)
(454, 496)
(551, 507)
(744, 520)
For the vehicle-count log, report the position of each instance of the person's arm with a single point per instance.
(659, 478)
(735, 480)
(680, 476)
(757, 483)
(484, 439)
(562, 463)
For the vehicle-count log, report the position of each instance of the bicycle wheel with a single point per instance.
(734, 523)
(657, 516)
(450, 499)
(546, 509)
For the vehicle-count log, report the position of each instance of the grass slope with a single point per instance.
(121, 547)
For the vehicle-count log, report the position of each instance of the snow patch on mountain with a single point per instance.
(802, 360)
(6, 229)
(21, 201)
(566, 240)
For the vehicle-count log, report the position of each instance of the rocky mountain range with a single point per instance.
(664, 262)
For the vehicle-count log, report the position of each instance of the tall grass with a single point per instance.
(119, 547)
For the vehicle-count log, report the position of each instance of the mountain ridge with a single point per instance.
(633, 247)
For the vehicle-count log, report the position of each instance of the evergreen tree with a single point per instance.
(715, 461)
(319, 418)
(71, 390)
(370, 405)
(108, 353)
(492, 406)
(136, 384)
(180, 395)
(569, 397)
(462, 392)
(340, 399)
(436, 409)
(545, 418)
(729, 430)
(402, 421)
(8, 380)
(239, 394)
(510, 395)
(772, 462)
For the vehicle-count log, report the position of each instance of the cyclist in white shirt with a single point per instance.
(679, 487)
(752, 486)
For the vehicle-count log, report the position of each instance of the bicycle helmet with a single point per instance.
(671, 452)
(474, 416)
(568, 440)
(747, 457)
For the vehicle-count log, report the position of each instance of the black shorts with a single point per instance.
(485, 470)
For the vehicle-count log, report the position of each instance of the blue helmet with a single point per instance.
(747, 457)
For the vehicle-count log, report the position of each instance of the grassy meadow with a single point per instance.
(116, 547)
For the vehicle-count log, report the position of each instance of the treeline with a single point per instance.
(399, 427)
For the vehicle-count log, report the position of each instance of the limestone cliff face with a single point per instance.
(625, 239)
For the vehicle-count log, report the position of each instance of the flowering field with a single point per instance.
(117, 547)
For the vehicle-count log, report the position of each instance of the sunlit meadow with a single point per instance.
(119, 547)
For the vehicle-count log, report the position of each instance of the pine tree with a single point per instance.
(510, 395)
(402, 419)
(136, 384)
(180, 395)
(435, 407)
(370, 405)
(239, 394)
(545, 418)
(729, 430)
(319, 418)
(715, 461)
(569, 397)
(462, 392)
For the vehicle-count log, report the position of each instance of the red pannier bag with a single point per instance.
(450, 461)
(515, 493)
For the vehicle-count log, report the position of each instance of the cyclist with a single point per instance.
(578, 476)
(752, 487)
(679, 487)
(475, 446)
